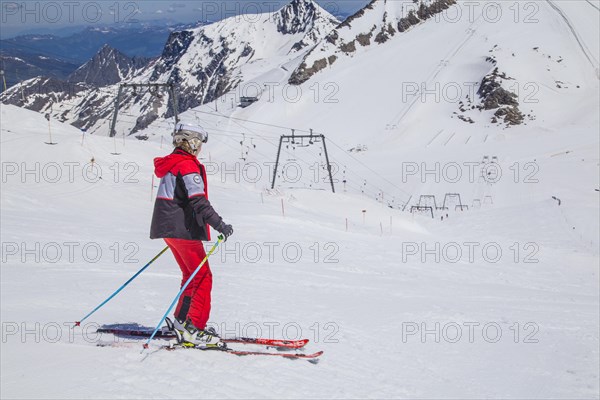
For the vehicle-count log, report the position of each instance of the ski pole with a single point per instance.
(78, 323)
(185, 285)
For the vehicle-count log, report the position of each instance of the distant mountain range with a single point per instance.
(204, 62)
(18, 65)
(25, 57)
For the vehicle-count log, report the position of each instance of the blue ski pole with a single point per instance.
(78, 323)
(185, 285)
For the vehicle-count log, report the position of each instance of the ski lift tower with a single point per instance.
(299, 139)
(3, 80)
(154, 90)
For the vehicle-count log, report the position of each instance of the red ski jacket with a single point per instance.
(182, 209)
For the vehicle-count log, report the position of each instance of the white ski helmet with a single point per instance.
(191, 136)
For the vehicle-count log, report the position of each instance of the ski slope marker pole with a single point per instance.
(185, 285)
(78, 323)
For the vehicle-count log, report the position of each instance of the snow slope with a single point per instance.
(375, 291)
(360, 292)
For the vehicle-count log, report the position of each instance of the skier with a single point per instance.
(182, 215)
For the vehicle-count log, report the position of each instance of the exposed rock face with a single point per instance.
(297, 17)
(39, 93)
(304, 17)
(177, 45)
(494, 96)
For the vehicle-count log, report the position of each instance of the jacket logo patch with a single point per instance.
(197, 179)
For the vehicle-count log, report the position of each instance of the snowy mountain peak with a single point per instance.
(300, 16)
(107, 51)
(107, 67)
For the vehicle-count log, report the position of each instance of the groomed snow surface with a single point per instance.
(357, 298)
(500, 301)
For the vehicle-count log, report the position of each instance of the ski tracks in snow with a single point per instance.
(586, 51)
(592, 4)
(470, 32)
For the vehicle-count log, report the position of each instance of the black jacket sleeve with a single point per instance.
(196, 194)
(205, 212)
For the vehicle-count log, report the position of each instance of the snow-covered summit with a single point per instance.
(377, 22)
(299, 16)
(305, 16)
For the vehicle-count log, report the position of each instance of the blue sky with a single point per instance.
(65, 16)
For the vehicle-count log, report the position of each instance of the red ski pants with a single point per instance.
(194, 302)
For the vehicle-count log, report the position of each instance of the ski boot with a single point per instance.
(206, 339)
(175, 325)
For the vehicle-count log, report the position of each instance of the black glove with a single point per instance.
(225, 230)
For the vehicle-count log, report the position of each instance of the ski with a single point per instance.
(288, 344)
(137, 331)
(166, 334)
(313, 356)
